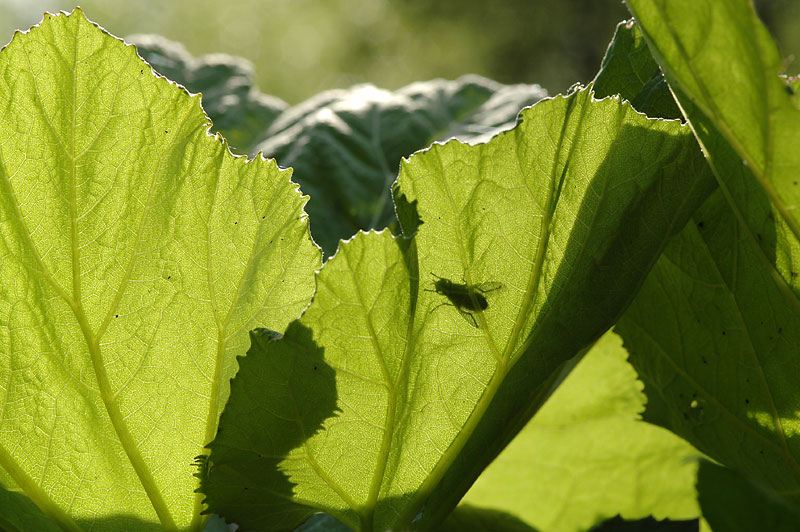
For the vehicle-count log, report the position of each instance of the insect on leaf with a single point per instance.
(466, 298)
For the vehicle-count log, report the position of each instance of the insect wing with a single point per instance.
(488, 286)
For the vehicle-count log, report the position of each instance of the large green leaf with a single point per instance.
(385, 397)
(136, 253)
(585, 456)
(714, 331)
(714, 334)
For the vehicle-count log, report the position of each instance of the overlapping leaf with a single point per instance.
(715, 329)
(345, 145)
(135, 254)
(395, 389)
(724, 68)
(236, 107)
(585, 457)
(629, 70)
(714, 333)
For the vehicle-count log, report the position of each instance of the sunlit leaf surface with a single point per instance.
(586, 457)
(135, 255)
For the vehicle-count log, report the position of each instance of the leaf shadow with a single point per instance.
(282, 395)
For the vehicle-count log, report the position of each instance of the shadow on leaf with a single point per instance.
(286, 392)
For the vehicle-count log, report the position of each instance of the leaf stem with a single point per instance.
(120, 427)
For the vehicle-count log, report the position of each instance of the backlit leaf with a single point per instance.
(135, 255)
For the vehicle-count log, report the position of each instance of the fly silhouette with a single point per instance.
(464, 297)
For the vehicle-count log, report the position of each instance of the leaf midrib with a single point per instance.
(503, 362)
(74, 302)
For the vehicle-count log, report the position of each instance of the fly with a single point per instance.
(465, 297)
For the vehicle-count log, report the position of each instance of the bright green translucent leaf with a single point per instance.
(724, 68)
(585, 456)
(731, 503)
(418, 360)
(236, 107)
(136, 253)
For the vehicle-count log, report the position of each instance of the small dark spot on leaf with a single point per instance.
(780, 330)
(761, 451)
(705, 361)
(746, 401)
(700, 225)
(116, 315)
(724, 333)
(315, 368)
(686, 416)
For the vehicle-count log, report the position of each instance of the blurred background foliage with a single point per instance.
(302, 47)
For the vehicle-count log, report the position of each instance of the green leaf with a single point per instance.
(731, 503)
(724, 68)
(236, 107)
(713, 333)
(542, 235)
(136, 254)
(714, 329)
(585, 456)
(629, 70)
